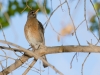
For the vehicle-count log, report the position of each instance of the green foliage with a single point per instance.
(94, 21)
(4, 22)
(17, 6)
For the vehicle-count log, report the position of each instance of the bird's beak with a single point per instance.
(36, 11)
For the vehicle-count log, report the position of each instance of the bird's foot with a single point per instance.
(42, 46)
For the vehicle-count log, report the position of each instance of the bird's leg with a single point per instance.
(42, 46)
(33, 48)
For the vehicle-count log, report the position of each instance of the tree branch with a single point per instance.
(15, 65)
(30, 54)
(49, 50)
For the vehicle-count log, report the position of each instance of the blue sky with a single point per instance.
(15, 34)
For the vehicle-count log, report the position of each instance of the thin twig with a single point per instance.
(7, 57)
(72, 60)
(61, 5)
(77, 4)
(53, 13)
(40, 67)
(48, 71)
(27, 63)
(2, 65)
(72, 22)
(95, 37)
(27, 6)
(44, 4)
(23, 9)
(74, 28)
(3, 31)
(85, 13)
(30, 66)
(48, 19)
(84, 63)
(77, 56)
(31, 70)
(3, 34)
(78, 26)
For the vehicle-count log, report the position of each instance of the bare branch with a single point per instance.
(85, 13)
(84, 63)
(49, 50)
(14, 66)
(30, 66)
(61, 5)
(72, 22)
(96, 38)
(77, 4)
(60, 49)
(72, 60)
(29, 53)
(78, 26)
(53, 13)
(3, 33)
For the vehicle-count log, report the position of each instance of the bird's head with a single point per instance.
(32, 14)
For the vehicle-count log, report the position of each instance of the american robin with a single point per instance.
(34, 32)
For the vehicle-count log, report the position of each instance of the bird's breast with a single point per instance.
(32, 33)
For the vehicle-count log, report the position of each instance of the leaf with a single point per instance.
(16, 6)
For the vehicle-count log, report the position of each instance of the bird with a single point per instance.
(34, 32)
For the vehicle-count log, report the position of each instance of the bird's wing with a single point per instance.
(41, 29)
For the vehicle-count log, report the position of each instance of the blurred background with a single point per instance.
(13, 16)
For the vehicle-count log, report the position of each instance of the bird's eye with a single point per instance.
(32, 12)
